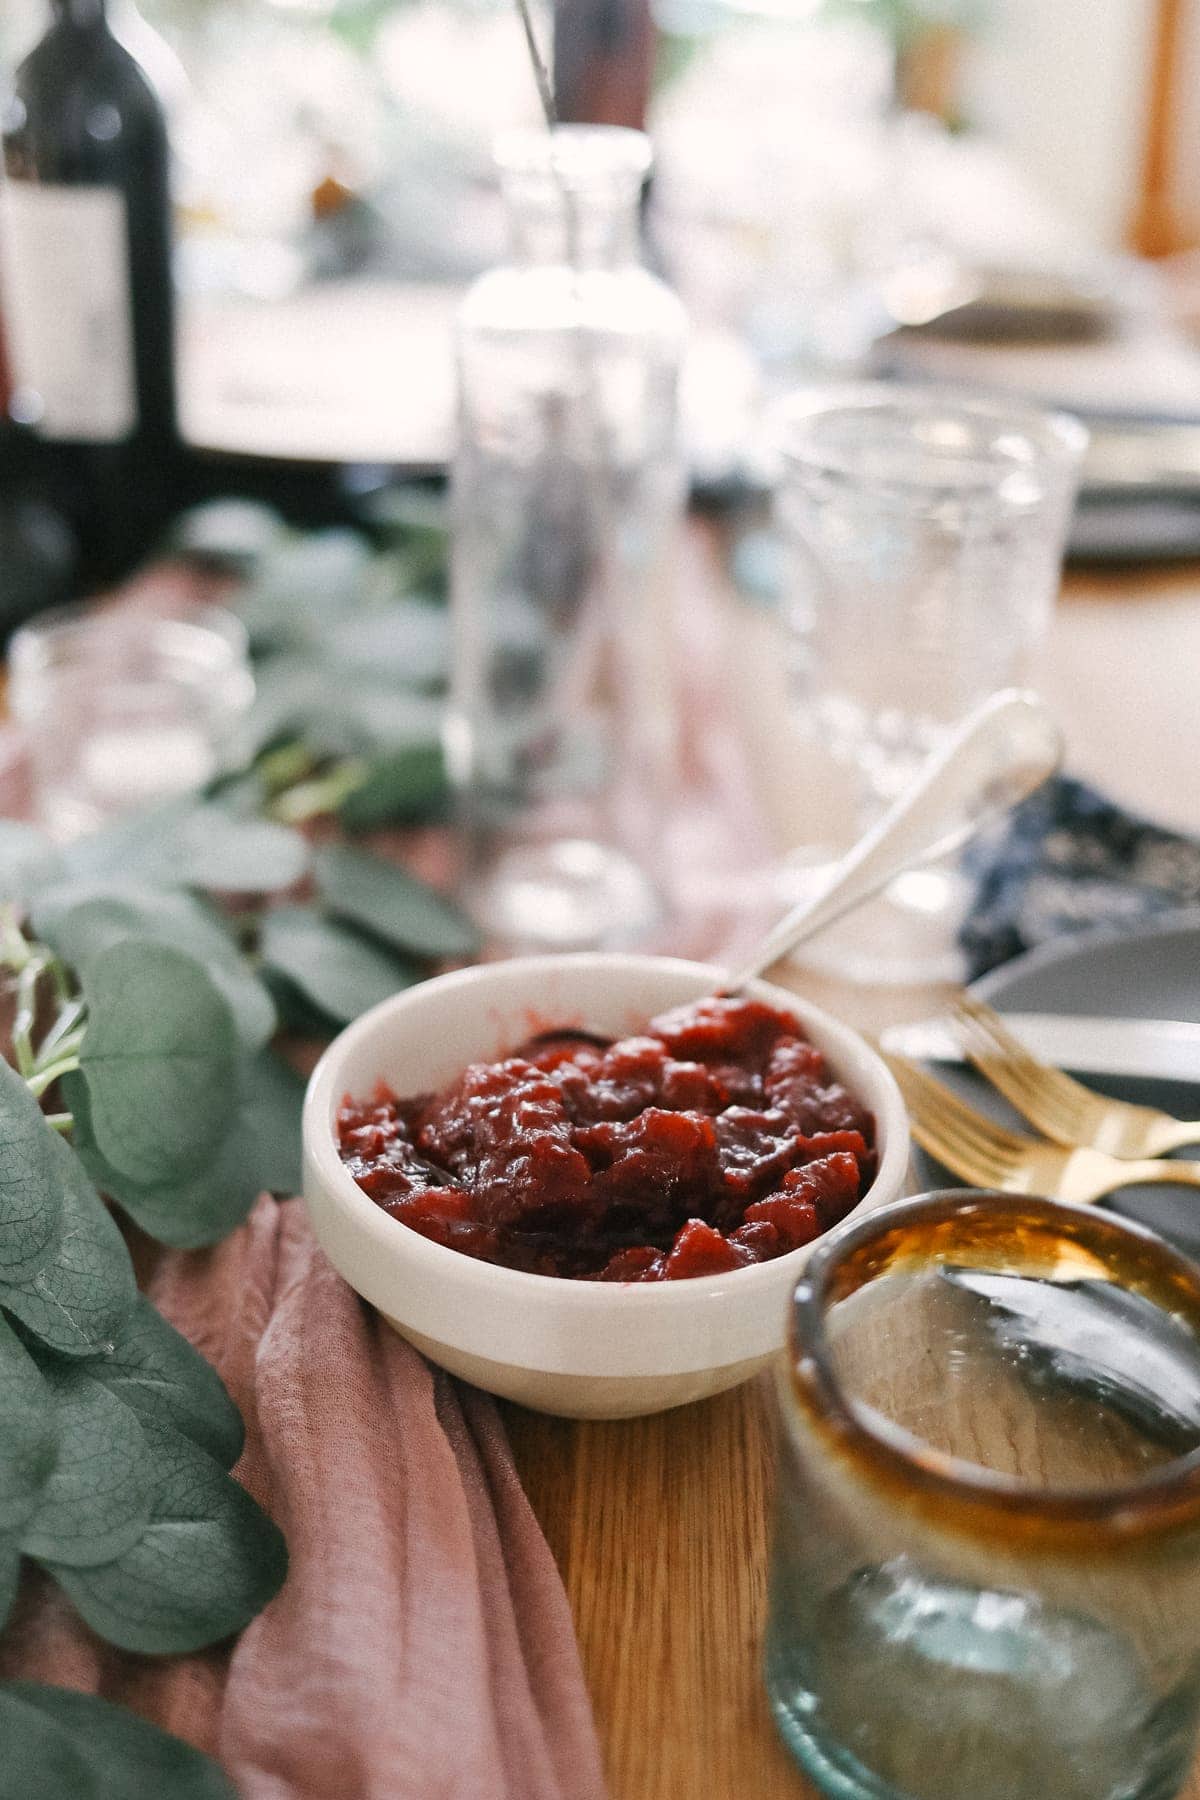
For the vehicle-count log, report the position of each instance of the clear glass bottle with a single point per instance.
(567, 485)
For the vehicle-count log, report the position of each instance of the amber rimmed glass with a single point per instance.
(986, 1578)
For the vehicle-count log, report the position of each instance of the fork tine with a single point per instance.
(967, 1161)
(958, 1124)
(1052, 1100)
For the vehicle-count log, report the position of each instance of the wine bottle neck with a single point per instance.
(82, 13)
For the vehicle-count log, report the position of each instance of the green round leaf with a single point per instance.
(308, 579)
(158, 1375)
(408, 784)
(261, 1151)
(271, 1104)
(30, 1199)
(185, 843)
(81, 920)
(10, 1577)
(200, 1210)
(339, 971)
(216, 849)
(79, 1300)
(58, 1742)
(41, 1761)
(27, 1438)
(389, 903)
(28, 860)
(407, 643)
(96, 1502)
(209, 1560)
(159, 1059)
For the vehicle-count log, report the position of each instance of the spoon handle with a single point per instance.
(998, 756)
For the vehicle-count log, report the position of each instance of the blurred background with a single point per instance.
(831, 174)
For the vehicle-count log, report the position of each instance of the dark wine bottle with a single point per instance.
(87, 281)
(37, 550)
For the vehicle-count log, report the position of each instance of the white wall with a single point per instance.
(1064, 85)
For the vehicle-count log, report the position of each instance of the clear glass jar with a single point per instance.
(567, 484)
(986, 1576)
(120, 709)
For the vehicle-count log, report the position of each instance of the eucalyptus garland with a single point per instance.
(149, 966)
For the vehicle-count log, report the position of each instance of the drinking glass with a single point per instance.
(121, 709)
(986, 1574)
(925, 529)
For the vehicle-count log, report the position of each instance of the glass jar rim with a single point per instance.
(578, 158)
(64, 631)
(963, 1493)
(1057, 439)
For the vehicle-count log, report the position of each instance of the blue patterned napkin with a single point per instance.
(1066, 860)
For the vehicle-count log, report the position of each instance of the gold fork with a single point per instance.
(987, 1155)
(1058, 1105)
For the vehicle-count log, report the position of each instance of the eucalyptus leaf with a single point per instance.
(129, 847)
(238, 533)
(318, 575)
(41, 1761)
(288, 689)
(96, 1503)
(28, 860)
(408, 643)
(10, 1577)
(260, 1152)
(209, 1560)
(30, 1197)
(391, 904)
(79, 1300)
(157, 1374)
(373, 717)
(331, 964)
(199, 1211)
(189, 843)
(159, 1058)
(407, 785)
(216, 849)
(81, 920)
(187, 1213)
(58, 1742)
(300, 1017)
(27, 1437)
(272, 1099)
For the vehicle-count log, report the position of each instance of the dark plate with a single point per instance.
(1152, 972)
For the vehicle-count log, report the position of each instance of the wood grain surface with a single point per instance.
(661, 1526)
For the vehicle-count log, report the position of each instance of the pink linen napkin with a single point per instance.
(422, 1647)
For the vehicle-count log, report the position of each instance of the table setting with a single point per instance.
(596, 1181)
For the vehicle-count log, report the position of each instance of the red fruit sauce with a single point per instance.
(716, 1138)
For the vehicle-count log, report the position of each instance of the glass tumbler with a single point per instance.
(986, 1574)
(925, 530)
(121, 709)
(566, 489)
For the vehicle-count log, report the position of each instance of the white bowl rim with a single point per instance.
(322, 1097)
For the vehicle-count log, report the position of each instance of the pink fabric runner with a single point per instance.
(422, 1647)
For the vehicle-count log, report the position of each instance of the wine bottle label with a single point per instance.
(67, 308)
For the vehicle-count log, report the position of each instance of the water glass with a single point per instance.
(986, 1575)
(925, 531)
(123, 708)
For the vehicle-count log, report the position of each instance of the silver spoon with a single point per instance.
(996, 758)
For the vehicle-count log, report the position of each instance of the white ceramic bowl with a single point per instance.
(584, 1349)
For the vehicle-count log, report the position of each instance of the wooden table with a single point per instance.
(661, 1526)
